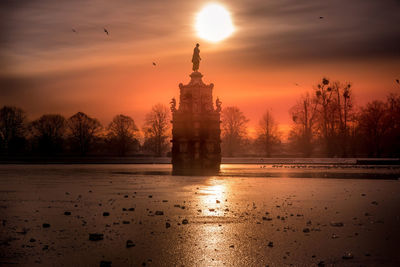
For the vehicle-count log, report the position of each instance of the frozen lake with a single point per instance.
(250, 215)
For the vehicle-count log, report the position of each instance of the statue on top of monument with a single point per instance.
(218, 105)
(196, 58)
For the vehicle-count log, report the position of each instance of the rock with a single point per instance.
(105, 264)
(124, 209)
(177, 206)
(211, 209)
(270, 244)
(336, 224)
(232, 246)
(67, 213)
(150, 196)
(164, 200)
(334, 236)
(129, 244)
(32, 240)
(125, 222)
(306, 230)
(217, 201)
(96, 237)
(185, 221)
(126, 196)
(266, 219)
(106, 213)
(46, 225)
(167, 225)
(363, 195)
(374, 203)
(321, 264)
(159, 212)
(131, 209)
(348, 256)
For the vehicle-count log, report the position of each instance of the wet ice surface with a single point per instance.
(241, 218)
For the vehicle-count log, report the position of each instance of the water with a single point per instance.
(225, 214)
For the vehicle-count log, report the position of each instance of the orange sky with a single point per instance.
(47, 68)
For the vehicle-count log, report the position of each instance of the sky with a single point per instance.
(45, 67)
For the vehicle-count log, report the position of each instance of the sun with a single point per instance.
(214, 23)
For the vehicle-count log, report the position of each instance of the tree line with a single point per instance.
(325, 123)
(80, 134)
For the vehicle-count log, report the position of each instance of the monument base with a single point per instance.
(196, 131)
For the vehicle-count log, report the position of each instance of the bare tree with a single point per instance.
(345, 114)
(234, 129)
(325, 99)
(49, 131)
(83, 130)
(304, 115)
(122, 133)
(267, 133)
(156, 130)
(374, 124)
(11, 128)
(392, 142)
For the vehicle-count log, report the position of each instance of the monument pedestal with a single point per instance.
(196, 143)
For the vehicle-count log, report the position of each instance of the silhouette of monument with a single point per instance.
(196, 143)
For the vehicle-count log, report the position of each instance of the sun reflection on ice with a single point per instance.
(213, 197)
(215, 235)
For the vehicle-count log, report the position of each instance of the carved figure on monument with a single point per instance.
(218, 105)
(196, 58)
(173, 104)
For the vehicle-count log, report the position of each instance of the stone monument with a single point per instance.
(196, 143)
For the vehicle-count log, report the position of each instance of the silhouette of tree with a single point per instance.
(392, 141)
(12, 129)
(373, 123)
(156, 130)
(345, 114)
(303, 132)
(122, 134)
(83, 130)
(234, 130)
(324, 94)
(49, 131)
(267, 134)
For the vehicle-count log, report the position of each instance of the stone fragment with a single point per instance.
(129, 244)
(96, 237)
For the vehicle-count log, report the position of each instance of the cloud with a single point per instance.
(291, 32)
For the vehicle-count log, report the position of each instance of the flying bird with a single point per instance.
(154, 63)
(105, 30)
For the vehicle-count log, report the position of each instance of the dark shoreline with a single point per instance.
(167, 160)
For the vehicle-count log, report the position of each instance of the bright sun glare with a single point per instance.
(213, 23)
